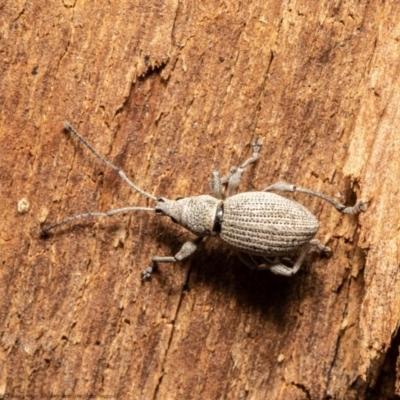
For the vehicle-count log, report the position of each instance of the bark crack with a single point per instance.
(338, 339)
(62, 55)
(184, 287)
(303, 388)
(20, 14)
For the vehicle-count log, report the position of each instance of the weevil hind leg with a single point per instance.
(234, 176)
(186, 250)
(276, 265)
(282, 186)
(323, 249)
(280, 269)
(248, 260)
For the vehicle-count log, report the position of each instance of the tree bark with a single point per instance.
(169, 91)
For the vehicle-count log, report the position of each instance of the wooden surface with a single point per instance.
(170, 91)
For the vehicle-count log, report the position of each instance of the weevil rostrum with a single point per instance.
(259, 225)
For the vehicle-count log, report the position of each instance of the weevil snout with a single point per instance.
(171, 208)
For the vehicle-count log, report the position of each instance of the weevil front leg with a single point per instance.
(186, 250)
(234, 176)
(287, 187)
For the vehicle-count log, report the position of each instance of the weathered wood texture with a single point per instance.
(169, 91)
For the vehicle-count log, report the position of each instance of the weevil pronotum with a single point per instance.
(259, 225)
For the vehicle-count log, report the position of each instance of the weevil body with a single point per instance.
(266, 224)
(259, 225)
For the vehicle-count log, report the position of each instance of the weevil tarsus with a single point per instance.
(282, 186)
(234, 176)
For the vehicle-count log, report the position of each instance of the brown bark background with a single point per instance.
(170, 91)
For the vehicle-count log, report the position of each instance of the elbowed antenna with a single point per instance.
(121, 173)
(110, 213)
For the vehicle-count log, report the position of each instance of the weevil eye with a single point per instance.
(157, 209)
(178, 198)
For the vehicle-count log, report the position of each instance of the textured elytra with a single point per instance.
(266, 224)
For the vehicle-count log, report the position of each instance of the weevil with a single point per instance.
(259, 225)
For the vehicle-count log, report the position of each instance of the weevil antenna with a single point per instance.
(121, 173)
(110, 213)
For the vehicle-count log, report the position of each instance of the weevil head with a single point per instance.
(200, 214)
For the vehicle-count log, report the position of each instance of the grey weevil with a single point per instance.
(256, 224)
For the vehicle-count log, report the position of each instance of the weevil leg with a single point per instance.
(281, 269)
(186, 250)
(287, 187)
(248, 260)
(216, 185)
(277, 267)
(234, 176)
(324, 249)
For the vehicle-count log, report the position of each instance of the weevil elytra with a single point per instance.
(259, 225)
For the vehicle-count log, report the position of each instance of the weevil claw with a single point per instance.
(146, 274)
